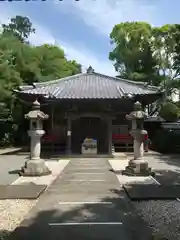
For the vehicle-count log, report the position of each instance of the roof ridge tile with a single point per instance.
(90, 86)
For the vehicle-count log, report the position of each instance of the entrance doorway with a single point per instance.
(91, 127)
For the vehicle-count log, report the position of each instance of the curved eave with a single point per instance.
(147, 99)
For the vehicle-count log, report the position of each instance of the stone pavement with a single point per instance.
(9, 150)
(85, 202)
(166, 167)
(10, 163)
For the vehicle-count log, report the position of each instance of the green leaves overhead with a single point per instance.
(22, 63)
(20, 27)
(53, 64)
(131, 48)
(32, 63)
(145, 53)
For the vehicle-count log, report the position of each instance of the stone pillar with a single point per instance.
(69, 120)
(35, 166)
(52, 127)
(138, 148)
(109, 136)
(35, 149)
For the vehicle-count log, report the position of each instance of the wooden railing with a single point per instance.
(122, 142)
(52, 143)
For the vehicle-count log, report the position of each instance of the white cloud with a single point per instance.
(41, 36)
(104, 14)
(87, 58)
(74, 52)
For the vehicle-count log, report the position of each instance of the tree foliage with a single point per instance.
(20, 27)
(170, 112)
(22, 63)
(132, 51)
(145, 53)
(148, 54)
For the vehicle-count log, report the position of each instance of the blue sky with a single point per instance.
(82, 28)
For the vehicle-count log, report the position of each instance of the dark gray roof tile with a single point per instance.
(89, 86)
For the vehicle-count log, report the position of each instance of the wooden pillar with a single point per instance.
(52, 126)
(69, 120)
(109, 136)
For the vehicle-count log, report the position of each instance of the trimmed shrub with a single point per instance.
(169, 112)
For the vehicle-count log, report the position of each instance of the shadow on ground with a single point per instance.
(16, 172)
(121, 209)
(166, 168)
(168, 177)
(170, 159)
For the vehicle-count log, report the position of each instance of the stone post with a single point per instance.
(69, 133)
(109, 136)
(137, 166)
(35, 166)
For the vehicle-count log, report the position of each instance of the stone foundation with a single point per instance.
(137, 167)
(35, 168)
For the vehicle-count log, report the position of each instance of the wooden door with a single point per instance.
(90, 127)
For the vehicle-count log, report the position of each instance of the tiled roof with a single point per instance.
(88, 86)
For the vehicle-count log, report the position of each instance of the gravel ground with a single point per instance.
(12, 212)
(163, 217)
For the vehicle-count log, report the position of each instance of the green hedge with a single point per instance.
(166, 141)
(170, 112)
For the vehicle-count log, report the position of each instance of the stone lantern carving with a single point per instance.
(35, 166)
(137, 166)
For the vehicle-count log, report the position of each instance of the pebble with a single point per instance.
(162, 216)
(12, 212)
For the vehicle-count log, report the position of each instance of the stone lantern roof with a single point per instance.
(137, 113)
(36, 113)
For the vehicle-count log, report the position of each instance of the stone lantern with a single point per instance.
(35, 166)
(137, 166)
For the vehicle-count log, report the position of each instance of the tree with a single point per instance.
(22, 63)
(145, 53)
(132, 53)
(9, 77)
(177, 48)
(20, 27)
(52, 63)
(176, 55)
(42, 63)
(164, 43)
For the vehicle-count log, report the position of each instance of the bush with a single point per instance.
(166, 141)
(170, 112)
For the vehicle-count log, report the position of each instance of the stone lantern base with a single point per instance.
(137, 167)
(35, 167)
